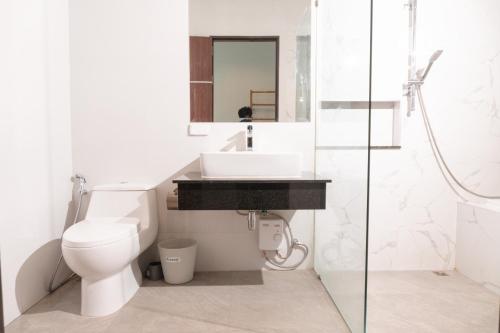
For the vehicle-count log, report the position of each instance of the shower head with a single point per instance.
(435, 56)
(422, 73)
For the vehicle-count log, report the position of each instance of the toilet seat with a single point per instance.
(102, 231)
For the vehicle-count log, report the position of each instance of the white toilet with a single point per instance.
(121, 222)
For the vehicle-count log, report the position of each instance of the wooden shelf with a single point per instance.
(255, 105)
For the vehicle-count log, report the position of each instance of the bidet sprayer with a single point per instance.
(81, 182)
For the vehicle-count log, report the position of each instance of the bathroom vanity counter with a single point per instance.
(197, 193)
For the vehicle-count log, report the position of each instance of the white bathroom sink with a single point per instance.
(254, 165)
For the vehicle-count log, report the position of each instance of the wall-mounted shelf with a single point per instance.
(386, 130)
(359, 105)
(357, 147)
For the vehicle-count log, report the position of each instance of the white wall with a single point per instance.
(35, 146)
(130, 114)
(257, 18)
(238, 68)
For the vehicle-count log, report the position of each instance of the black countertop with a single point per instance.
(195, 178)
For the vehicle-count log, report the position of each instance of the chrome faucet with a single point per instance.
(249, 138)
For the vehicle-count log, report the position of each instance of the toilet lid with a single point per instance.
(96, 232)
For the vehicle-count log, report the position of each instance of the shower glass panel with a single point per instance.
(342, 154)
(434, 201)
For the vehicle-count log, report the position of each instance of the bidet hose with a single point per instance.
(439, 156)
(82, 192)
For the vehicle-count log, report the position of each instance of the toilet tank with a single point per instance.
(127, 200)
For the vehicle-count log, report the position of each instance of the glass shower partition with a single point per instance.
(342, 154)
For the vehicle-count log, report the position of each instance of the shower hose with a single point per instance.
(443, 166)
(82, 192)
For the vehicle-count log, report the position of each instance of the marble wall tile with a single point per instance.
(413, 216)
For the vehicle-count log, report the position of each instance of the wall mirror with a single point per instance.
(250, 60)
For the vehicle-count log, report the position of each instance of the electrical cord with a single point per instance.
(291, 245)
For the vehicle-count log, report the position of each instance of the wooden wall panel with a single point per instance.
(200, 53)
(201, 66)
(201, 102)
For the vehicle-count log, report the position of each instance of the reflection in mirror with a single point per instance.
(245, 78)
(250, 60)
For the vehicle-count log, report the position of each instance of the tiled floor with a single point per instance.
(237, 302)
(423, 302)
(234, 302)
